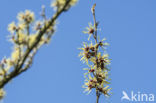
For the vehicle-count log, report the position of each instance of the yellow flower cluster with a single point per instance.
(26, 16)
(24, 19)
(57, 4)
(15, 54)
(27, 40)
(2, 94)
(12, 27)
(22, 38)
(97, 59)
(98, 67)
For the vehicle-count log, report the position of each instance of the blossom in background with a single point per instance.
(27, 16)
(57, 4)
(2, 93)
(27, 35)
(12, 27)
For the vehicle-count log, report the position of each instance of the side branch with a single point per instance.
(18, 68)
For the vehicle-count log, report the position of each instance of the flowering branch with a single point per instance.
(96, 76)
(26, 42)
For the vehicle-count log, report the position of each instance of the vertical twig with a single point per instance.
(96, 50)
(97, 96)
(95, 23)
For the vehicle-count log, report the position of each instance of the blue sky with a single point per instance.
(57, 76)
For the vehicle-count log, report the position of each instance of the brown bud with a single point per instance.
(87, 48)
(91, 80)
(102, 66)
(91, 70)
(101, 60)
(90, 86)
(105, 92)
(87, 55)
(92, 48)
(91, 31)
(99, 80)
(100, 43)
(100, 89)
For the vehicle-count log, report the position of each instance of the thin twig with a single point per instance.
(96, 49)
(95, 23)
(97, 96)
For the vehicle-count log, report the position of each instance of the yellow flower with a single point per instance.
(60, 3)
(2, 94)
(22, 37)
(91, 82)
(12, 27)
(84, 54)
(89, 30)
(15, 55)
(32, 39)
(21, 26)
(106, 59)
(73, 2)
(57, 3)
(38, 25)
(9, 63)
(106, 91)
(26, 16)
